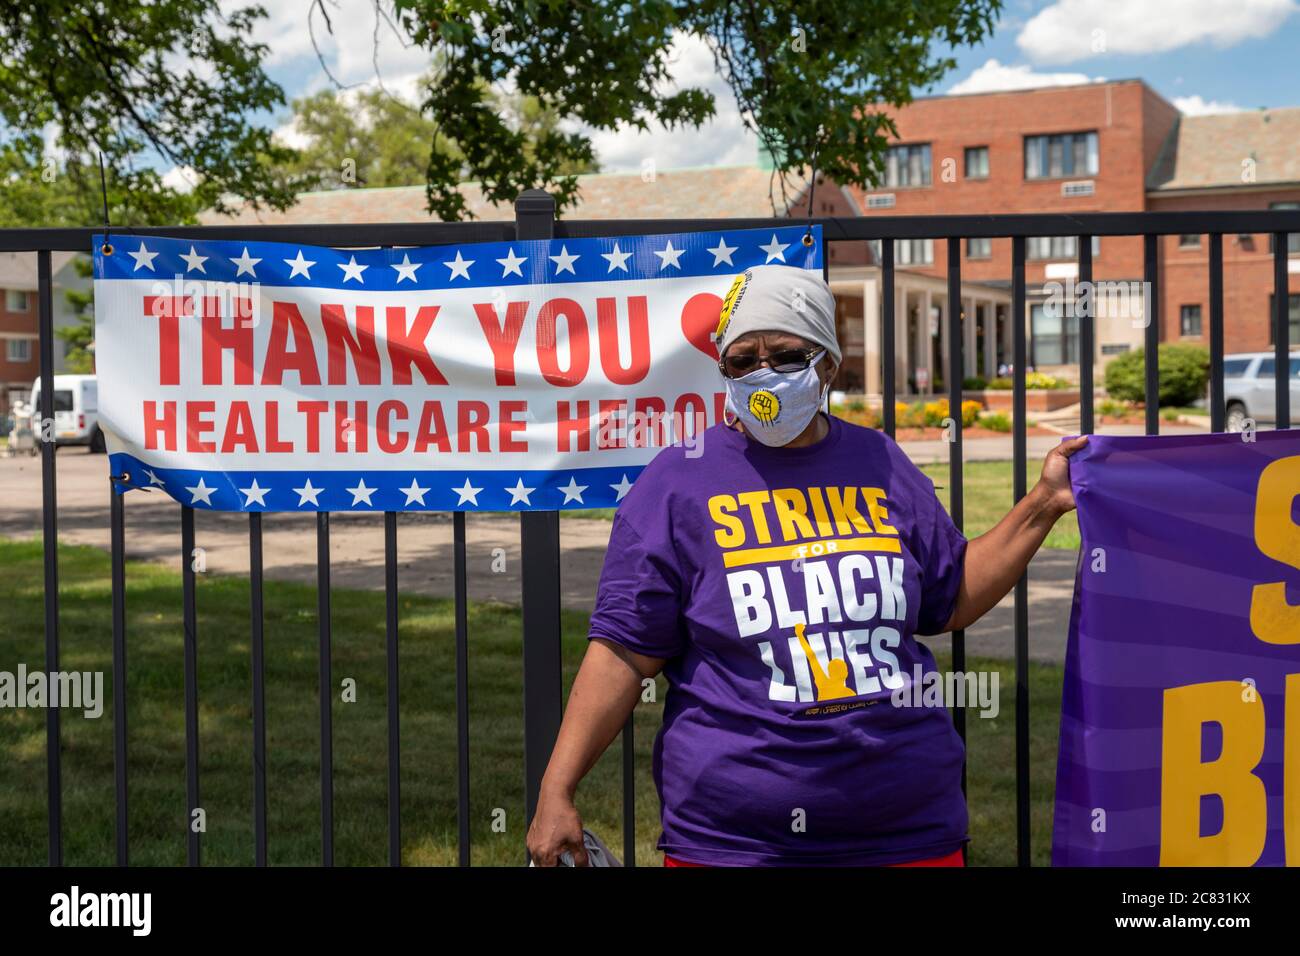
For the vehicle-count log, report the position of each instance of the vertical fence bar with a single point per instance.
(888, 317)
(629, 792)
(462, 686)
(1021, 631)
(540, 554)
(325, 685)
(956, 503)
(394, 719)
(1218, 411)
(1151, 315)
(117, 533)
(193, 847)
(50, 544)
(1087, 337)
(256, 619)
(1281, 333)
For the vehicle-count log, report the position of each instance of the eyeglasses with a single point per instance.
(784, 361)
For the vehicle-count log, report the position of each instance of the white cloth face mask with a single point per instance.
(776, 407)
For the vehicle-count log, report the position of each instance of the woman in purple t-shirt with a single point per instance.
(778, 574)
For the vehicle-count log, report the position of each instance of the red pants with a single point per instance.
(952, 859)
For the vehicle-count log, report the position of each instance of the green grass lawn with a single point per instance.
(157, 740)
(986, 494)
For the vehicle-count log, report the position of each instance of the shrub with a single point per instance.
(996, 421)
(1112, 408)
(1032, 380)
(976, 383)
(1042, 380)
(1184, 371)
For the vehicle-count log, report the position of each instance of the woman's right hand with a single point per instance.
(556, 827)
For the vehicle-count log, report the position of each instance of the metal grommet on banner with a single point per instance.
(808, 239)
(105, 247)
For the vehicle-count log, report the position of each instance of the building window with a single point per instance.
(1189, 242)
(1054, 338)
(18, 350)
(1057, 247)
(1189, 320)
(16, 301)
(977, 162)
(907, 166)
(1293, 318)
(1060, 155)
(979, 248)
(907, 252)
(1293, 238)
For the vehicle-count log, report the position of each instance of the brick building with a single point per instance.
(19, 327)
(1099, 147)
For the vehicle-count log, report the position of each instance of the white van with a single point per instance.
(76, 411)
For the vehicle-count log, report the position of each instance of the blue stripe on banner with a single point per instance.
(489, 264)
(266, 490)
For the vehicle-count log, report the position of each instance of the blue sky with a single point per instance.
(1203, 55)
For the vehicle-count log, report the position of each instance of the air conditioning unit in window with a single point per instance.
(881, 201)
(1081, 187)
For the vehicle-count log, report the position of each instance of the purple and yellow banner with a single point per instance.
(1180, 719)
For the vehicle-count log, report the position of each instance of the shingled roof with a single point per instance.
(714, 192)
(1206, 152)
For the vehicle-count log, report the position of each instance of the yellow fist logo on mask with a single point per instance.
(764, 406)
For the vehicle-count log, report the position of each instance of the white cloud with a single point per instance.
(1196, 106)
(723, 141)
(1070, 30)
(994, 76)
(183, 179)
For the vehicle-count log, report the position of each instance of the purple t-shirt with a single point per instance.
(784, 586)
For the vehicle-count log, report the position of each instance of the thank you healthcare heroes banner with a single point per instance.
(1180, 721)
(245, 376)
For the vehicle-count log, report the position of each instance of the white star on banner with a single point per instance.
(153, 479)
(143, 257)
(406, 268)
(616, 259)
(669, 256)
(775, 250)
(623, 487)
(308, 493)
(573, 491)
(201, 492)
(194, 261)
(467, 492)
(361, 493)
(255, 493)
(352, 270)
(244, 264)
(459, 266)
(564, 262)
(519, 493)
(298, 266)
(511, 263)
(722, 252)
(414, 493)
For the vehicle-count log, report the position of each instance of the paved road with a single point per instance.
(424, 548)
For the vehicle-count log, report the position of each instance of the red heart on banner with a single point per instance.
(700, 320)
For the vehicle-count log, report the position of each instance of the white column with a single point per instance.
(871, 368)
(902, 343)
(924, 344)
(970, 360)
(990, 338)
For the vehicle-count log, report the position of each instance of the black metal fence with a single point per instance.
(540, 530)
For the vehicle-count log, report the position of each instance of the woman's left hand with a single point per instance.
(1054, 485)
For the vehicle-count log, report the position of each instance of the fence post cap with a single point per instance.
(534, 201)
